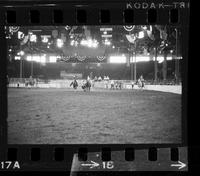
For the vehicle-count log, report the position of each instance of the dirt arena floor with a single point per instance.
(63, 116)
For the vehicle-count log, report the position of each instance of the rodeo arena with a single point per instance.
(94, 84)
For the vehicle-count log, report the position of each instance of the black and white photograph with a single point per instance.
(109, 84)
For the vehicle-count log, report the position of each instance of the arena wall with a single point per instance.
(103, 85)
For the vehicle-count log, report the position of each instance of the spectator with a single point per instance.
(141, 81)
(116, 84)
(132, 84)
(18, 84)
(88, 78)
(120, 85)
(112, 84)
(95, 78)
(99, 79)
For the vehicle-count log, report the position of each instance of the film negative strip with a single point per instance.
(94, 85)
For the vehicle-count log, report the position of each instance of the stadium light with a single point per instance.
(45, 40)
(60, 43)
(73, 43)
(141, 35)
(94, 45)
(33, 38)
(20, 35)
(43, 59)
(89, 43)
(17, 58)
(52, 59)
(118, 59)
(21, 53)
(140, 59)
(36, 58)
(107, 42)
(83, 42)
(29, 58)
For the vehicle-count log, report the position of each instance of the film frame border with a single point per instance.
(114, 15)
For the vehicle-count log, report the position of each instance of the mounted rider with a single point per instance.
(74, 83)
(141, 82)
(86, 84)
(89, 82)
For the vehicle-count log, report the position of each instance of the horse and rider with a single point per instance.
(30, 82)
(74, 83)
(140, 82)
(86, 85)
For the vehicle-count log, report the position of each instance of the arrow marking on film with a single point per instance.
(180, 165)
(92, 164)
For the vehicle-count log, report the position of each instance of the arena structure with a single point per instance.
(44, 109)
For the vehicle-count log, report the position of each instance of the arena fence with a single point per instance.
(126, 84)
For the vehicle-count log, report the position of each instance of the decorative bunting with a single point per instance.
(101, 58)
(13, 29)
(81, 58)
(129, 28)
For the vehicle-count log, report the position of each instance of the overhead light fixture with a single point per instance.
(33, 37)
(89, 43)
(29, 58)
(141, 35)
(60, 43)
(106, 29)
(83, 42)
(94, 45)
(20, 35)
(118, 59)
(106, 36)
(21, 53)
(107, 42)
(45, 38)
(17, 57)
(43, 59)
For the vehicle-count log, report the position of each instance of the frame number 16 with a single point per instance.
(108, 165)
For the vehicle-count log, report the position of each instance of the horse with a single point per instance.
(74, 84)
(140, 83)
(30, 83)
(87, 86)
